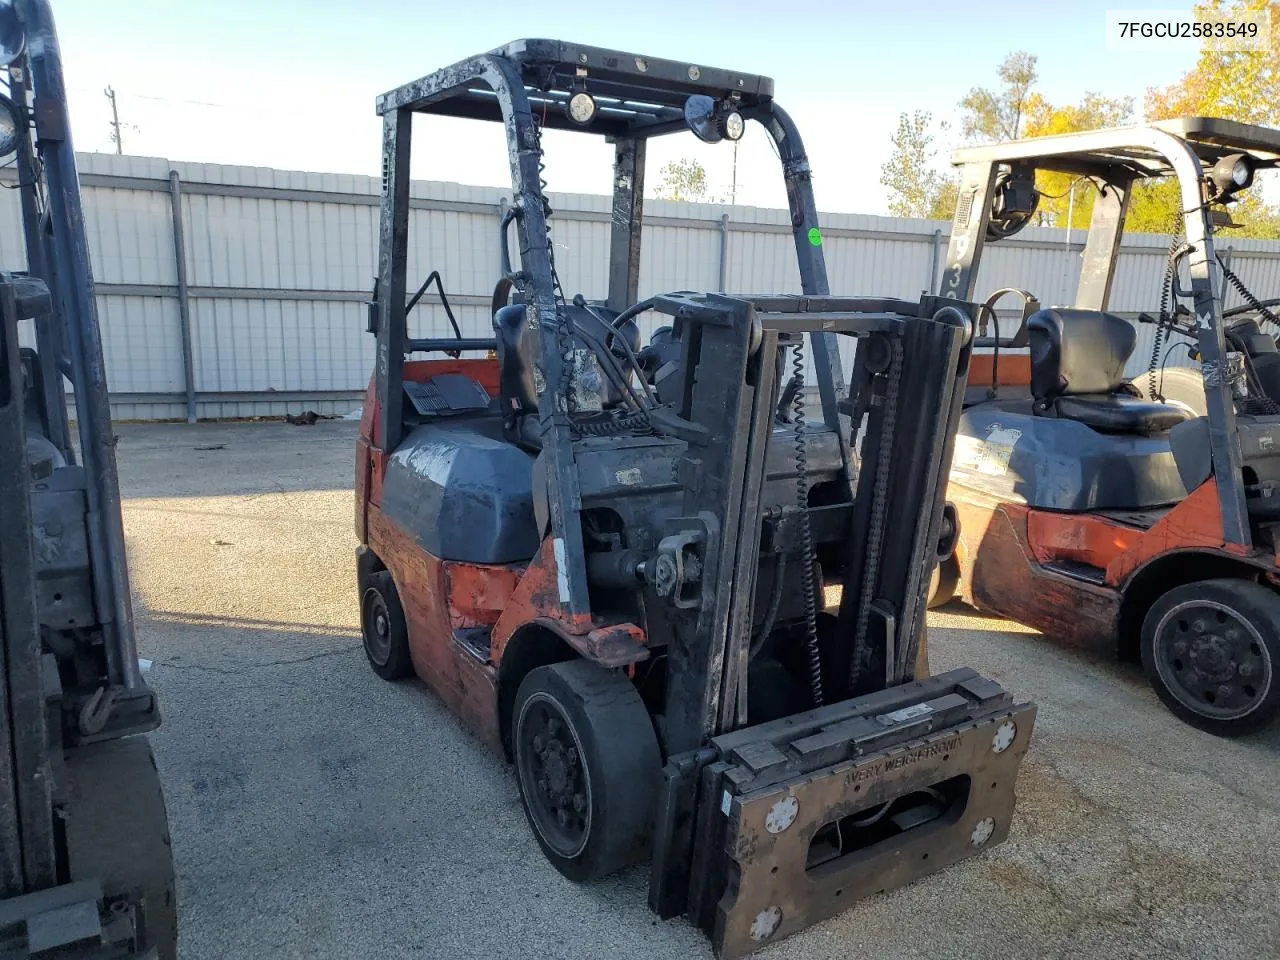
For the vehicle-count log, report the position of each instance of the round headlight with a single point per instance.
(9, 130)
(732, 126)
(1232, 172)
(581, 108)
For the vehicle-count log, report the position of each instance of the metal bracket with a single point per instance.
(677, 569)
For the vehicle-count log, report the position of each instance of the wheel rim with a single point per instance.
(553, 775)
(1213, 659)
(377, 627)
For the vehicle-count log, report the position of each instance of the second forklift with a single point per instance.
(1142, 514)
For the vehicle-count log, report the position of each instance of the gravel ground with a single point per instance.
(319, 812)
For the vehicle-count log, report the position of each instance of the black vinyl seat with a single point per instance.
(1077, 373)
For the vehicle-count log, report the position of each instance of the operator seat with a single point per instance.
(519, 375)
(1077, 373)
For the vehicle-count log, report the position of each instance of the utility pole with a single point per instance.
(110, 94)
(733, 190)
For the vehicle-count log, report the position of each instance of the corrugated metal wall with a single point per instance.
(279, 263)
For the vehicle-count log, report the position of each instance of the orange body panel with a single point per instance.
(479, 592)
(999, 573)
(1003, 548)
(1194, 523)
(537, 600)
(1014, 369)
(467, 686)
(1078, 537)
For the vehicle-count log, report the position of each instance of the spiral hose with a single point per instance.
(1166, 306)
(806, 532)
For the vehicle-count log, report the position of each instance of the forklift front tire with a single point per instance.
(1210, 650)
(383, 628)
(588, 766)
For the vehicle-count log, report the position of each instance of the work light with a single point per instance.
(1232, 172)
(10, 126)
(731, 125)
(581, 108)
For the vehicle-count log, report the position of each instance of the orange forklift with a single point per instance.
(1140, 513)
(644, 572)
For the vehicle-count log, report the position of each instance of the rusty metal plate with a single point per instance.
(772, 888)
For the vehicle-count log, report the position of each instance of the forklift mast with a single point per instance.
(72, 786)
(996, 198)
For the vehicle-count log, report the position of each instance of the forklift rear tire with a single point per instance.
(1210, 650)
(383, 628)
(944, 583)
(588, 766)
(117, 831)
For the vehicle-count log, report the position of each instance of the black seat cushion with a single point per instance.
(1120, 413)
(1078, 351)
(1077, 372)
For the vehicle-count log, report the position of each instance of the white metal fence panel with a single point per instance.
(279, 264)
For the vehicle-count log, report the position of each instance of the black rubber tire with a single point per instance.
(619, 756)
(944, 583)
(383, 629)
(117, 830)
(1254, 606)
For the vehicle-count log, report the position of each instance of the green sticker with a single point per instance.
(815, 236)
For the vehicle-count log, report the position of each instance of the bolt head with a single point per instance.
(1225, 690)
(579, 802)
(765, 925)
(782, 814)
(562, 817)
(1005, 734)
(982, 832)
(1246, 669)
(1199, 626)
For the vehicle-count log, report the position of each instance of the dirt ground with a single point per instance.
(319, 812)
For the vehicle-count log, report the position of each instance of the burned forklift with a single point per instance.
(641, 570)
(85, 864)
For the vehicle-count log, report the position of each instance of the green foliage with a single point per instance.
(917, 187)
(1044, 119)
(1236, 85)
(683, 179)
(1000, 114)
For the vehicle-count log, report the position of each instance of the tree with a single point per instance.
(1061, 194)
(1000, 114)
(1240, 85)
(683, 179)
(917, 188)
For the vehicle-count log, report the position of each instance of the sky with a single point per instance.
(291, 84)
